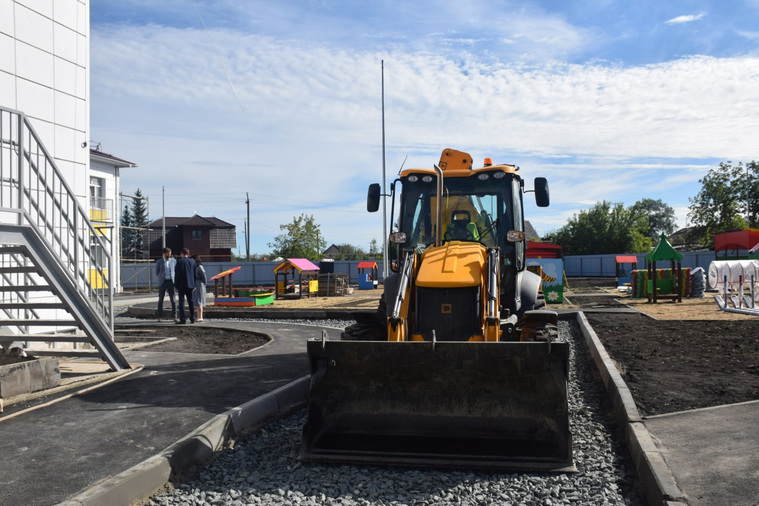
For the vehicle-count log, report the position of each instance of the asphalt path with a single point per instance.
(52, 453)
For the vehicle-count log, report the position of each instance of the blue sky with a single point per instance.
(609, 100)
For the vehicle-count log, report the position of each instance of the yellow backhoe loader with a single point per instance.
(466, 369)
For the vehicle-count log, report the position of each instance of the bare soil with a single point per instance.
(674, 356)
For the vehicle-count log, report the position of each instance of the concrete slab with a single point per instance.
(713, 452)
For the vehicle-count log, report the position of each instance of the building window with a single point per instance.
(97, 192)
(197, 234)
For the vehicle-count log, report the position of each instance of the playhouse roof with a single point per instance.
(664, 251)
(302, 264)
(626, 259)
(367, 265)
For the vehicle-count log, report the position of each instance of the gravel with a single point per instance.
(264, 470)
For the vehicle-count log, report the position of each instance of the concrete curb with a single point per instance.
(144, 479)
(658, 482)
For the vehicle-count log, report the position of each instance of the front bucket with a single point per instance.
(493, 405)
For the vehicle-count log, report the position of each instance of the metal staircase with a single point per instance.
(55, 266)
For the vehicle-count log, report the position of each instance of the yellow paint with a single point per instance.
(96, 280)
(453, 265)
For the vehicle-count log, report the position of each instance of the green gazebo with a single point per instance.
(663, 252)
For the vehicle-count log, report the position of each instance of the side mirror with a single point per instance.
(373, 197)
(542, 197)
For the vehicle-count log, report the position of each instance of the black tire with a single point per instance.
(368, 326)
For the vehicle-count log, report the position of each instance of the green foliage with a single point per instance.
(727, 193)
(375, 252)
(660, 216)
(350, 252)
(301, 239)
(605, 228)
(133, 217)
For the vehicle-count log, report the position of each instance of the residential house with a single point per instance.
(104, 199)
(211, 238)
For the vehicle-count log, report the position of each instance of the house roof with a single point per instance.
(529, 230)
(110, 159)
(193, 221)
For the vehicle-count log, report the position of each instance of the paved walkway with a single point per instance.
(52, 453)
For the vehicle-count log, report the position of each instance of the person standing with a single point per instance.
(164, 271)
(184, 281)
(200, 288)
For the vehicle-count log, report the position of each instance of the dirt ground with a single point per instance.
(674, 356)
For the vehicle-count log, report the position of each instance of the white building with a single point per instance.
(104, 202)
(51, 247)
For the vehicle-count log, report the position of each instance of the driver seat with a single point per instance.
(461, 227)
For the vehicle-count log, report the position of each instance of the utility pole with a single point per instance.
(163, 215)
(384, 191)
(247, 230)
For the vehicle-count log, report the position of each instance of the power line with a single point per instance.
(217, 55)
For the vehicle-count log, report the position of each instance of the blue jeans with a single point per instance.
(167, 285)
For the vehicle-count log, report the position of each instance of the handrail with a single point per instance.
(34, 192)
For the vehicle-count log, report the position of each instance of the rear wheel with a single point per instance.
(368, 326)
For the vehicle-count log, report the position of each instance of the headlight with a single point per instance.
(483, 177)
(427, 179)
(413, 179)
(499, 175)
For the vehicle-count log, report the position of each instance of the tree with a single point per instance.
(723, 195)
(139, 220)
(127, 234)
(133, 219)
(375, 253)
(661, 217)
(302, 239)
(350, 252)
(605, 228)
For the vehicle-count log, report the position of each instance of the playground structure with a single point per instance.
(288, 287)
(367, 280)
(226, 295)
(624, 273)
(736, 280)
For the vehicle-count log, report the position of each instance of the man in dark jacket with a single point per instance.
(184, 280)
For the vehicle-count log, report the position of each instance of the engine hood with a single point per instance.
(454, 264)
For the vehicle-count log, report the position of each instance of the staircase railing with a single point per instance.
(33, 192)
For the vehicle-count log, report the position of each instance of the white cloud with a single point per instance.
(309, 136)
(684, 19)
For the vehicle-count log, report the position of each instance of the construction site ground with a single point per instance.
(675, 357)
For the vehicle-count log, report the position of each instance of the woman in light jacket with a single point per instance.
(199, 295)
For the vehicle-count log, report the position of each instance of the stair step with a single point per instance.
(32, 305)
(23, 322)
(13, 249)
(51, 338)
(19, 269)
(25, 288)
(62, 353)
